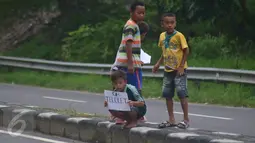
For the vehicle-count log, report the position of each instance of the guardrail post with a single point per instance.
(197, 83)
(10, 69)
(225, 85)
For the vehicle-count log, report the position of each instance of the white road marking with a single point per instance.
(225, 141)
(183, 135)
(3, 106)
(152, 123)
(225, 133)
(32, 106)
(32, 137)
(206, 116)
(64, 99)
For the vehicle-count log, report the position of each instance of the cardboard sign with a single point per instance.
(117, 100)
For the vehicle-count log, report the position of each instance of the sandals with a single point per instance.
(183, 125)
(166, 124)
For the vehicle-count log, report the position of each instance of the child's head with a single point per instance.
(144, 28)
(137, 11)
(168, 22)
(119, 80)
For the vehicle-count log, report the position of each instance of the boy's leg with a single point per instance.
(138, 82)
(128, 116)
(135, 79)
(132, 121)
(117, 116)
(182, 92)
(139, 78)
(168, 93)
(133, 117)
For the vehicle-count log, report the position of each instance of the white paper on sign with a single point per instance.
(117, 100)
(145, 58)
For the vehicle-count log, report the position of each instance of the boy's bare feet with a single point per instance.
(119, 121)
(131, 125)
(127, 123)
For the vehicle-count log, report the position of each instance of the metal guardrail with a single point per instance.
(194, 73)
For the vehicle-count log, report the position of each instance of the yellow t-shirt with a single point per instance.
(173, 53)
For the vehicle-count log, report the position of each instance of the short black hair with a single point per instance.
(143, 27)
(135, 4)
(167, 15)
(117, 75)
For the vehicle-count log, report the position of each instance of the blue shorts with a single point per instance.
(134, 79)
(172, 81)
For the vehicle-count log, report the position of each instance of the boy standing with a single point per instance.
(128, 56)
(143, 28)
(136, 101)
(174, 54)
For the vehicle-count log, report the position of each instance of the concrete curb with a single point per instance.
(102, 131)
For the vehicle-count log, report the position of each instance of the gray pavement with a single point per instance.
(28, 137)
(208, 117)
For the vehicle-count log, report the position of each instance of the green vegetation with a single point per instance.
(200, 92)
(219, 32)
(89, 31)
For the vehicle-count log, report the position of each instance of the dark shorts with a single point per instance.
(141, 111)
(134, 79)
(172, 81)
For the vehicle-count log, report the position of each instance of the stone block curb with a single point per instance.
(96, 130)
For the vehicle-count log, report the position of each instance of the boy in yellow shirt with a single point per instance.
(174, 55)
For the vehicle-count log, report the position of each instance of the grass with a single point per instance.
(199, 92)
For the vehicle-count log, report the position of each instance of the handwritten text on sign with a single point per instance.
(117, 100)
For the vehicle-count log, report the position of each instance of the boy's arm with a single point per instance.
(140, 101)
(184, 47)
(184, 57)
(129, 56)
(137, 103)
(129, 32)
(159, 62)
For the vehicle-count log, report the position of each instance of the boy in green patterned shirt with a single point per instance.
(136, 101)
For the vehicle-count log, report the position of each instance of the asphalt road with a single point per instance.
(28, 137)
(208, 117)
